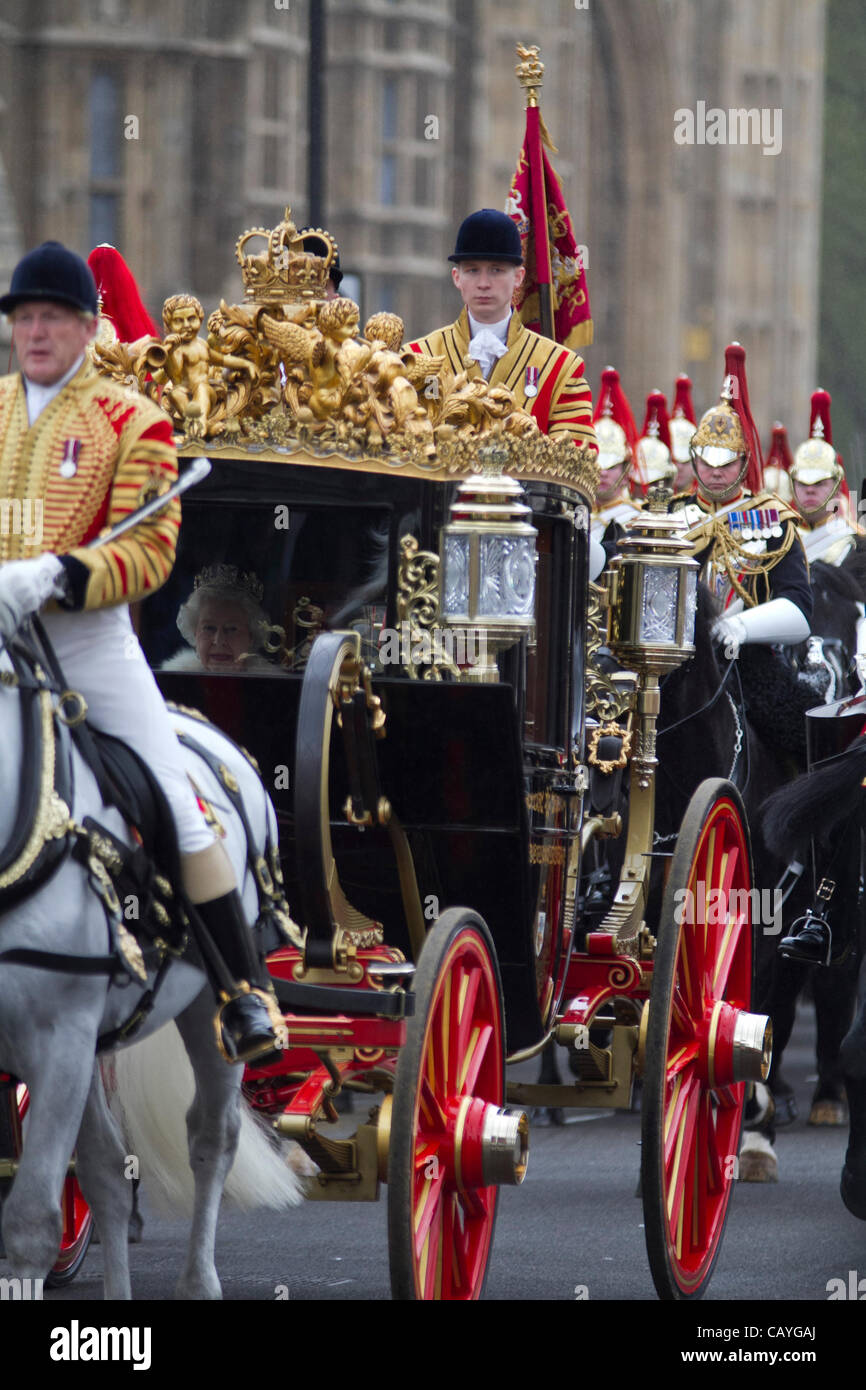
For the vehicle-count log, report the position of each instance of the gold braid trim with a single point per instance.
(736, 558)
(52, 819)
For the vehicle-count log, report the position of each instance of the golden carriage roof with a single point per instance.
(288, 377)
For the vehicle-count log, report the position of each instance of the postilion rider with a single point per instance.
(546, 378)
(92, 452)
(753, 561)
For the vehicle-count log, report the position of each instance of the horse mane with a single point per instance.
(816, 803)
(841, 581)
(854, 565)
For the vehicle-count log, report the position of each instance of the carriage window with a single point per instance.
(251, 588)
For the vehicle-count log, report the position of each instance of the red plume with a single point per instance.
(779, 455)
(121, 301)
(657, 410)
(821, 411)
(613, 401)
(683, 399)
(735, 366)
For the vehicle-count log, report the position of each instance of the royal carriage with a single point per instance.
(429, 717)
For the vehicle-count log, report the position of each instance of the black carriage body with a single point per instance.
(480, 775)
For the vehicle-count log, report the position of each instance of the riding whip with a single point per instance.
(196, 473)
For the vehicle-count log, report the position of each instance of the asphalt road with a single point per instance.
(574, 1225)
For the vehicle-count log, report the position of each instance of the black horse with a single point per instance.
(837, 594)
(827, 806)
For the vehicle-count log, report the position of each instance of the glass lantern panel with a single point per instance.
(455, 584)
(691, 606)
(658, 619)
(507, 576)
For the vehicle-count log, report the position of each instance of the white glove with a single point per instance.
(779, 620)
(25, 585)
(860, 654)
(597, 558)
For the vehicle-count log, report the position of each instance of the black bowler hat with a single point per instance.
(53, 273)
(488, 235)
(317, 247)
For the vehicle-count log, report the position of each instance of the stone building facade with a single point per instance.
(170, 126)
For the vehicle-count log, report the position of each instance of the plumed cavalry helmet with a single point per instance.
(54, 274)
(777, 468)
(119, 295)
(727, 432)
(654, 445)
(681, 425)
(615, 429)
(816, 461)
(488, 235)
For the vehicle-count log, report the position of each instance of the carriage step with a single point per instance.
(295, 997)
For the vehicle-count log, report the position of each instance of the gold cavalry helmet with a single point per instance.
(719, 440)
(815, 460)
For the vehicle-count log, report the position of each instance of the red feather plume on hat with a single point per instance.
(735, 366)
(683, 399)
(119, 295)
(779, 454)
(613, 401)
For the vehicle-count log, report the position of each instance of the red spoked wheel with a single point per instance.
(77, 1216)
(702, 1044)
(451, 1143)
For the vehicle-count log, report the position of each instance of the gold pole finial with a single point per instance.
(530, 72)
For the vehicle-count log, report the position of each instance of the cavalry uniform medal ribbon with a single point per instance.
(69, 462)
(530, 385)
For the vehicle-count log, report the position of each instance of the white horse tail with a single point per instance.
(150, 1088)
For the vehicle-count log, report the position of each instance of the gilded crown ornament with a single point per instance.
(285, 273)
(290, 371)
(230, 577)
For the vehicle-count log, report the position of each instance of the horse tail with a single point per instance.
(816, 803)
(150, 1087)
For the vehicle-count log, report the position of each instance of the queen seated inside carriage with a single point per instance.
(224, 625)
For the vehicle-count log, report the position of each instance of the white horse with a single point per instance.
(49, 1023)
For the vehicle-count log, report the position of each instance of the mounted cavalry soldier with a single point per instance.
(752, 559)
(87, 453)
(818, 479)
(616, 432)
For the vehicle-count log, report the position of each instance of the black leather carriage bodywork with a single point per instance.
(458, 760)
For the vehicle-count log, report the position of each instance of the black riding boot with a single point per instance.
(247, 1022)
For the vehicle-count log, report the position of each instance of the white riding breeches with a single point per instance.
(101, 657)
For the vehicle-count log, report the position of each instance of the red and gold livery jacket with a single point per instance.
(95, 454)
(562, 401)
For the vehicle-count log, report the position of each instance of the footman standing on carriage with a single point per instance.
(546, 378)
(90, 453)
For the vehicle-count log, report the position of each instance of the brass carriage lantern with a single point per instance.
(488, 561)
(653, 592)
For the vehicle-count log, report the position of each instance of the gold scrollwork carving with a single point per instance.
(613, 730)
(608, 699)
(417, 610)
